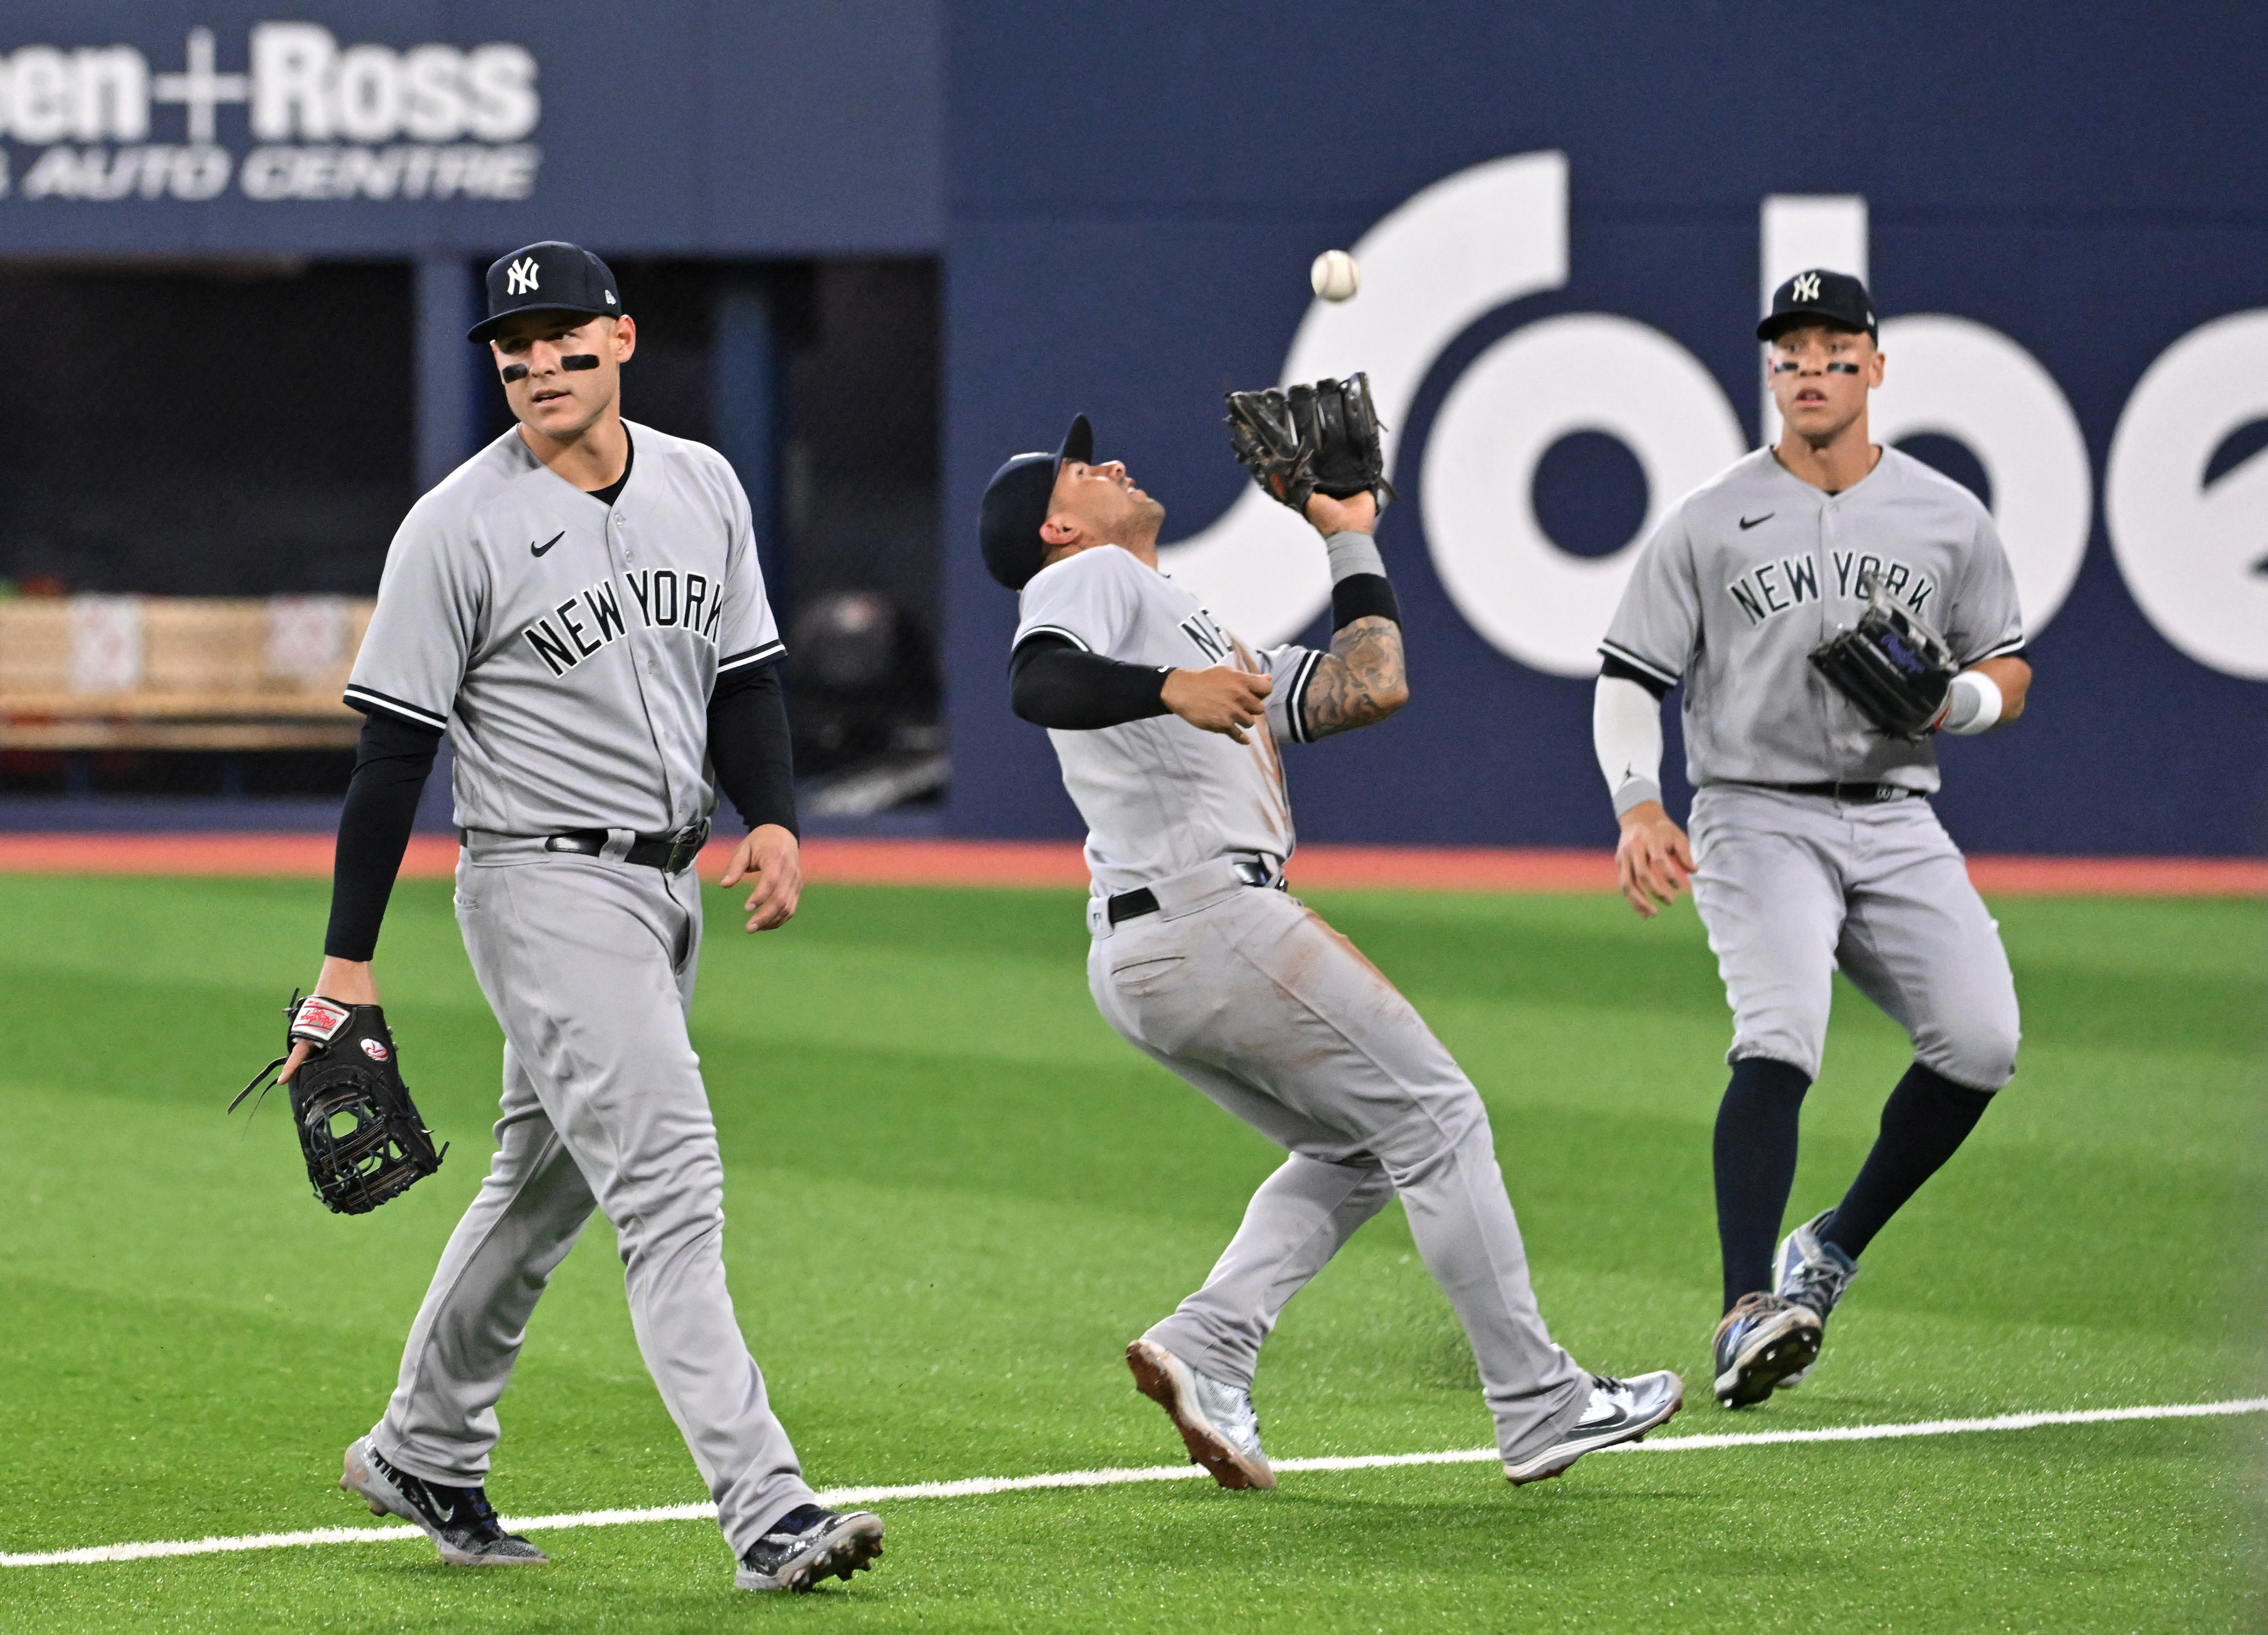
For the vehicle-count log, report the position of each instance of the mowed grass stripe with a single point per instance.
(980, 1487)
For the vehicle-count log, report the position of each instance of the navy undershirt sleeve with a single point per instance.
(749, 747)
(392, 760)
(1052, 683)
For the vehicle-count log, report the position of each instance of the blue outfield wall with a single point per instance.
(1134, 195)
(1564, 212)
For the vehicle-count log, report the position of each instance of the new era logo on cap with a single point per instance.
(553, 276)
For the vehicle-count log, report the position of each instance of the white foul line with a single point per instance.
(978, 1486)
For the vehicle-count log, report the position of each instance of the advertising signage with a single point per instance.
(321, 121)
(686, 127)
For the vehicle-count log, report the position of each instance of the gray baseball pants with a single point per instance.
(1793, 886)
(1253, 999)
(589, 965)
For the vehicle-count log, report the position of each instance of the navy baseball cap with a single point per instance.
(1016, 502)
(553, 276)
(1820, 297)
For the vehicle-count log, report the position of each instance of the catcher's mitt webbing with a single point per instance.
(1893, 665)
(1303, 440)
(361, 1134)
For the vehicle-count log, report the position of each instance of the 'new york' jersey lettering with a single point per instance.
(1211, 639)
(661, 602)
(1755, 568)
(1767, 589)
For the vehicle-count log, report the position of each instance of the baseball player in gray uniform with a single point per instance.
(1168, 728)
(1814, 845)
(579, 607)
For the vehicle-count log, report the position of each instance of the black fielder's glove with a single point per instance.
(364, 1143)
(1303, 440)
(1893, 665)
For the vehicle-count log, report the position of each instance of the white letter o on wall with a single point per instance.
(2196, 559)
(1585, 372)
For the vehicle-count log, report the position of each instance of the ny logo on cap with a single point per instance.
(520, 277)
(1807, 286)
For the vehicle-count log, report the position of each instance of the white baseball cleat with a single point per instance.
(1215, 1418)
(1620, 1410)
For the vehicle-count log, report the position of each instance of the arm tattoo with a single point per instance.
(1361, 682)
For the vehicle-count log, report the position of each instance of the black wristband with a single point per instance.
(1362, 596)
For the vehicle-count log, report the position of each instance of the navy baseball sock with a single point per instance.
(1756, 1168)
(1925, 1120)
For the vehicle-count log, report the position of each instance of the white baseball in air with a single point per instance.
(1335, 276)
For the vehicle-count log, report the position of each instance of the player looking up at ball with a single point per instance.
(1814, 845)
(580, 608)
(1168, 728)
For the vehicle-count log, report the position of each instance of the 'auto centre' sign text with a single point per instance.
(324, 122)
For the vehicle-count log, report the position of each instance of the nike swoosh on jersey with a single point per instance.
(1746, 522)
(533, 549)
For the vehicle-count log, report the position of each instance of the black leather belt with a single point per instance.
(669, 853)
(1850, 794)
(1132, 905)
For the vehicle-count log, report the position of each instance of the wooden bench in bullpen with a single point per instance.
(178, 673)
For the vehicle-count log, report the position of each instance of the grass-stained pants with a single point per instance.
(1251, 998)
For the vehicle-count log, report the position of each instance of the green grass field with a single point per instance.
(954, 1195)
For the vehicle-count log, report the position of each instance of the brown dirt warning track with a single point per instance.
(1058, 863)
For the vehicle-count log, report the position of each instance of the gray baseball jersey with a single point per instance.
(568, 646)
(1753, 569)
(1160, 796)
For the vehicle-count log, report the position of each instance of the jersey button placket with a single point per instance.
(629, 555)
(1831, 620)
(644, 652)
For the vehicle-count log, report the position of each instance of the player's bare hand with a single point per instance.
(349, 982)
(1654, 860)
(773, 859)
(1219, 700)
(1357, 514)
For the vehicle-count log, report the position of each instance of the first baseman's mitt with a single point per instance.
(366, 1144)
(1302, 440)
(1893, 665)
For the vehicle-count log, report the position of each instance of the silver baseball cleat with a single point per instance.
(1761, 1340)
(1620, 1410)
(1813, 1273)
(1215, 1418)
